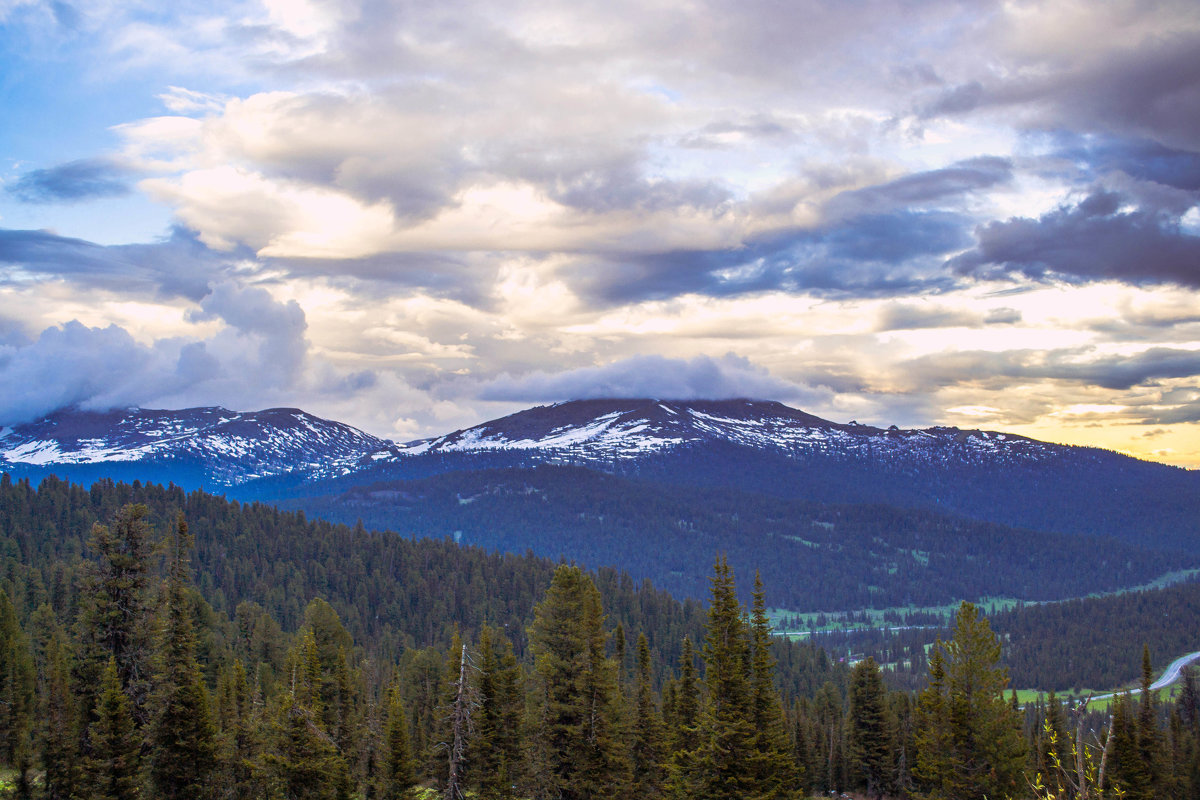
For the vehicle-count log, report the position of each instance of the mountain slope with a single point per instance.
(208, 446)
(816, 556)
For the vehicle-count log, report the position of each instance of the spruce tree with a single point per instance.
(682, 772)
(17, 676)
(869, 742)
(774, 767)
(727, 738)
(115, 621)
(495, 761)
(182, 736)
(112, 766)
(969, 744)
(399, 766)
(577, 691)
(648, 747)
(63, 772)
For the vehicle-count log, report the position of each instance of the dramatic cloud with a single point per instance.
(1100, 238)
(645, 376)
(72, 182)
(101, 368)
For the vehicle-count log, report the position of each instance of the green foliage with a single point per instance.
(113, 763)
(399, 767)
(869, 740)
(181, 735)
(969, 744)
(577, 691)
(495, 757)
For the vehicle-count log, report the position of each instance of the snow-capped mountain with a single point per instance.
(222, 447)
(611, 431)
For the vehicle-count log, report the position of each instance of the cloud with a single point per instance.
(1099, 238)
(701, 377)
(259, 353)
(1142, 159)
(73, 182)
(997, 370)
(924, 188)
(869, 256)
(178, 265)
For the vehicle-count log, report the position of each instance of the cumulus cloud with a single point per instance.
(73, 182)
(701, 377)
(259, 352)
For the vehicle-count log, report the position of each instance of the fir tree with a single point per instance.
(112, 767)
(17, 676)
(60, 726)
(682, 771)
(182, 737)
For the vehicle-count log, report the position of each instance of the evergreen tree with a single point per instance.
(576, 690)
(112, 767)
(399, 766)
(869, 742)
(773, 765)
(182, 737)
(17, 676)
(496, 748)
(648, 748)
(60, 727)
(727, 737)
(116, 619)
(682, 771)
(969, 745)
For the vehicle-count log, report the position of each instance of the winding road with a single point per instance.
(1168, 677)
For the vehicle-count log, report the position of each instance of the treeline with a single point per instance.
(119, 677)
(819, 557)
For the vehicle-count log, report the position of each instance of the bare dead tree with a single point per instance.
(462, 726)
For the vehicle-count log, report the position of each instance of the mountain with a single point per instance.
(211, 447)
(741, 445)
(607, 432)
(814, 556)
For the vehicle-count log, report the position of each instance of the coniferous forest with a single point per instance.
(162, 644)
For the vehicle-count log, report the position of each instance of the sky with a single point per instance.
(413, 216)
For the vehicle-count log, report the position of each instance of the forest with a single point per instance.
(156, 643)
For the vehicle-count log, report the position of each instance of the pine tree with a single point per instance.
(868, 731)
(112, 767)
(182, 737)
(648, 748)
(727, 741)
(576, 686)
(969, 743)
